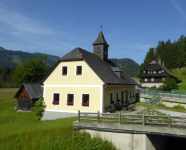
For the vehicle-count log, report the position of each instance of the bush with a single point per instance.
(170, 83)
(160, 105)
(160, 87)
(179, 107)
(39, 107)
(153, 87)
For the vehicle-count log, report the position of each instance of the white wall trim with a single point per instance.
(73, 85)
(65, 111)
(101, 99)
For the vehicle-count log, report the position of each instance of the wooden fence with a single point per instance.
(139, 119)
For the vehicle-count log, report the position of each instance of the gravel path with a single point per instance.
(139, 108)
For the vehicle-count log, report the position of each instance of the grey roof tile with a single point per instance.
(100, 39)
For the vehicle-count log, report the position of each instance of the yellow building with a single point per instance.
(85, 81)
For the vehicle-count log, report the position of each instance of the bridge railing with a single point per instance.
(172, 94)
(136, 119)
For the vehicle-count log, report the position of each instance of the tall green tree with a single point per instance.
(32, 70)
(170, 83)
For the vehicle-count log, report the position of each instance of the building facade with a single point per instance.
(85, 81)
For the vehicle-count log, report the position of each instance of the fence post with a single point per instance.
(143, 119)
(78, 115)
(169, 121)
(98, 116)
(119, 117)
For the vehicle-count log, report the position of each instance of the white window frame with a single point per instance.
(112, 97)
(67, 99)
(154, 71)
(53, 97)
(62, 71)
(152, 79)
(82, 99)
(146, 79)
(159, 71)
(143, 71)
(162, 70)
(81, 70)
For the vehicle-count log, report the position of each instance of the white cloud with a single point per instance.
(179, 8)
(143, 47)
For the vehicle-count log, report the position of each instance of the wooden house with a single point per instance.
(155, 73)
(85, 81)
(27, 95)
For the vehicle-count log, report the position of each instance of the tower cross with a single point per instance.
(101, 27)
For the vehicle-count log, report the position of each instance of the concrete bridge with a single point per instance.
(134, 136)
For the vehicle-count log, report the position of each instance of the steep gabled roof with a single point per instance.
(100, 39)
(101, 68)
(33, 89)
(163, 68)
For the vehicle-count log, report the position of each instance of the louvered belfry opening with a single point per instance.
(100, 47)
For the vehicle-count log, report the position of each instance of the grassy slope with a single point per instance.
(20, 130)
(182, 76)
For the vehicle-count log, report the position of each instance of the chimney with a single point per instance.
(163, 63)
(159, 61)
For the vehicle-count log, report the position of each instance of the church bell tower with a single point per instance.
(100, 47)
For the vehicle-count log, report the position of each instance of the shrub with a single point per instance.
(39, 107)
(160, 87)
(160, 105)
(170, 83)
(179, 107)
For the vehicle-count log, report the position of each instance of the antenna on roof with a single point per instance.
(101, 27)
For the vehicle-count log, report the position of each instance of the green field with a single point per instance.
(20, 130)
(181, 74)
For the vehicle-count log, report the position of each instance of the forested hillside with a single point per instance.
(172, 54)
(9, 58)
(130, 66)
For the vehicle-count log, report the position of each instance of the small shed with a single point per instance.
(27, 95)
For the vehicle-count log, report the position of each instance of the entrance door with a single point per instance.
(25, 104)
(122, 97)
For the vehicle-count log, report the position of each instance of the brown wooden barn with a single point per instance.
(27, 95)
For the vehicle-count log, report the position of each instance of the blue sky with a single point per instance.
(58, 26)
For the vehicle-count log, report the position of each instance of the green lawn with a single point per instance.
(21, 130)
(182, 76)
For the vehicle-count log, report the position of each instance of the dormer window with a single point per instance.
(154, 71)
(159, 71)
(118, 73)
(117, 70)
(149, 72)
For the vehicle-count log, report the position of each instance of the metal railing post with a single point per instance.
(169, 119)
(119, 117)
(78, 115)
(143, 119)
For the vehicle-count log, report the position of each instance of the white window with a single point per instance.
(154, 71)
(70, 99)
(56, 98)
(146, 79)
(79, 70)
(143, 71)
(152, 79)
(162, 70)
(150, 72)
(64, 70)
(163, 79)
(159, 71)
(111, 98)
(85, 99)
